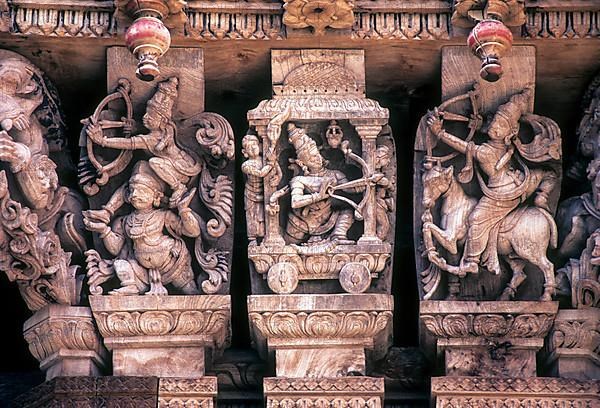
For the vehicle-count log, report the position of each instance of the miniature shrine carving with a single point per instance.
(149, 222)
(320, 192)
(496, 206)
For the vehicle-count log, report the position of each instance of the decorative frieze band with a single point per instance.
(562, 24)
(467, 392)
(263, 20)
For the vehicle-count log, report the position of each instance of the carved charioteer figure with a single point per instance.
(146, 242)
(507, 186)
(175, 165)
(314, 215)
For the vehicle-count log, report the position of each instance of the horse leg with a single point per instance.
(550, 282)
(537, 233)
(518, 276)
(446, 238)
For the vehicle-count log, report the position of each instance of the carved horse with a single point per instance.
(524, 235)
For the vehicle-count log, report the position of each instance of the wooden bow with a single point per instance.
(105, 170)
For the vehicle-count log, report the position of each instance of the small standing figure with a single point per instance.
(255, 172)
(384, 192)
(147, 242)
(174, 164)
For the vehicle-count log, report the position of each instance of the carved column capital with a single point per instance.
(164, 336)
(573, 346)
(488, 338)
(66, 342)
(330, 333)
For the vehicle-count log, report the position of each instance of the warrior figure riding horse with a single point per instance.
(500, 222)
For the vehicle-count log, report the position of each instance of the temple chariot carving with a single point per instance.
(320, 183)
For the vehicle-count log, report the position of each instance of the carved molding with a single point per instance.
(182, 392)
(139, 392)
(205, 316)
(467, 392)
(317, 385)
(561, 24)
(210, 21)
(95, 19)
(337, 392)
(328, 325)
(488, 319)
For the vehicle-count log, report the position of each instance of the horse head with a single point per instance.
(436, 182)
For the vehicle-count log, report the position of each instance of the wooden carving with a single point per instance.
(41, 226)
(486, 191)
(318, 14)
(578, 217)
(320, 190)
(173, 209)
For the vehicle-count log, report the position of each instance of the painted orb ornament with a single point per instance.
(148, 39)
(490, 40)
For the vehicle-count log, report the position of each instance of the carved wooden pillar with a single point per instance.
(152, 206)
(464, 215)
(325, 164)
(368, 133)
(573, 346)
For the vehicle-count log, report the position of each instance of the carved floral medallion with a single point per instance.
(318, 14)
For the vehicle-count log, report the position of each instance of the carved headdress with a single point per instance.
(512, 110)
(164, 99)
(143, 174)
(304, 145)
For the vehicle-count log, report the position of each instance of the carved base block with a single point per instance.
(488, 339)
(321, 335)
(138, 392)
(341, 392)
(66, 342)
(472, 392)
(173, 360)
(490, 358)
(163, 336)
(189, 393)
(574, 344)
